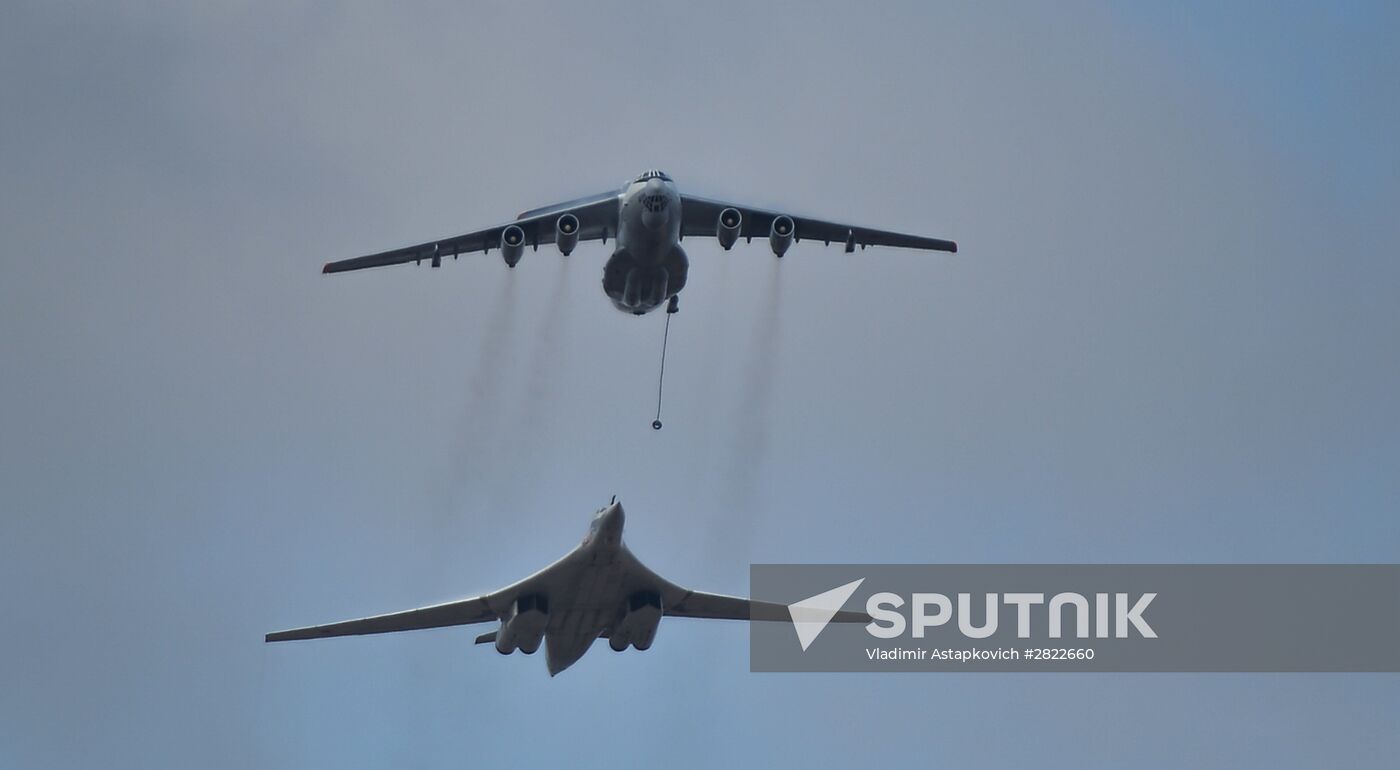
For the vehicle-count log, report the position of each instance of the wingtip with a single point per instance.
(326, 268)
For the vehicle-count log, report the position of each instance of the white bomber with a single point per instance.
(599, 590)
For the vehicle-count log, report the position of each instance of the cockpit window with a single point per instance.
(653, 174)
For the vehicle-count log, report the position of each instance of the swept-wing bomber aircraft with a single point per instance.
(599, 590)
(646, 219)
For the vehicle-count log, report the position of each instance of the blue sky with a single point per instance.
(1169, 337)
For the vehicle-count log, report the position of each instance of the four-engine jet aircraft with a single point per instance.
(647, 218)
(598, 590)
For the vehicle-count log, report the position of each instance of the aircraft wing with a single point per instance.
(437, 616)
(698, 604)
(560, 208)
(597, 219)
(701, 218)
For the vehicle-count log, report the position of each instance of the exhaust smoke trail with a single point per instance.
(470, 465)
(477, 424)
(545, 358)
(715, 352)
(537, 405)
(749, 448)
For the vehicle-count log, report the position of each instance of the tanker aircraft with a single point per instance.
(599, 590)
(647, 219)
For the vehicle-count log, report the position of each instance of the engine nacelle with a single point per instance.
(524, 629)
(727, 229)
(780, 234)
(512, 245)
(638, 625)
(566, 233)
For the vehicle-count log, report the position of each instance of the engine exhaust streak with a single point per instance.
(749, 448)
(538, 404)
(477, 426)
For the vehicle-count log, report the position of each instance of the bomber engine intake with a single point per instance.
(638, 625)
(524, 629)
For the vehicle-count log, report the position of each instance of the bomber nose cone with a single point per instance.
(613, 517)
(610, 524)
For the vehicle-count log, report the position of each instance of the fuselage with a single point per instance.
(599, 589)
(648, 266)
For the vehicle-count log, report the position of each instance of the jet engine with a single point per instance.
(566, 233)
(780, 235)
(727, 229)
(512, 245)
(638, 625)
(524, 629)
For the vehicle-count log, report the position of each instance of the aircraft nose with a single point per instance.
(613, 516)
(610, 526)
